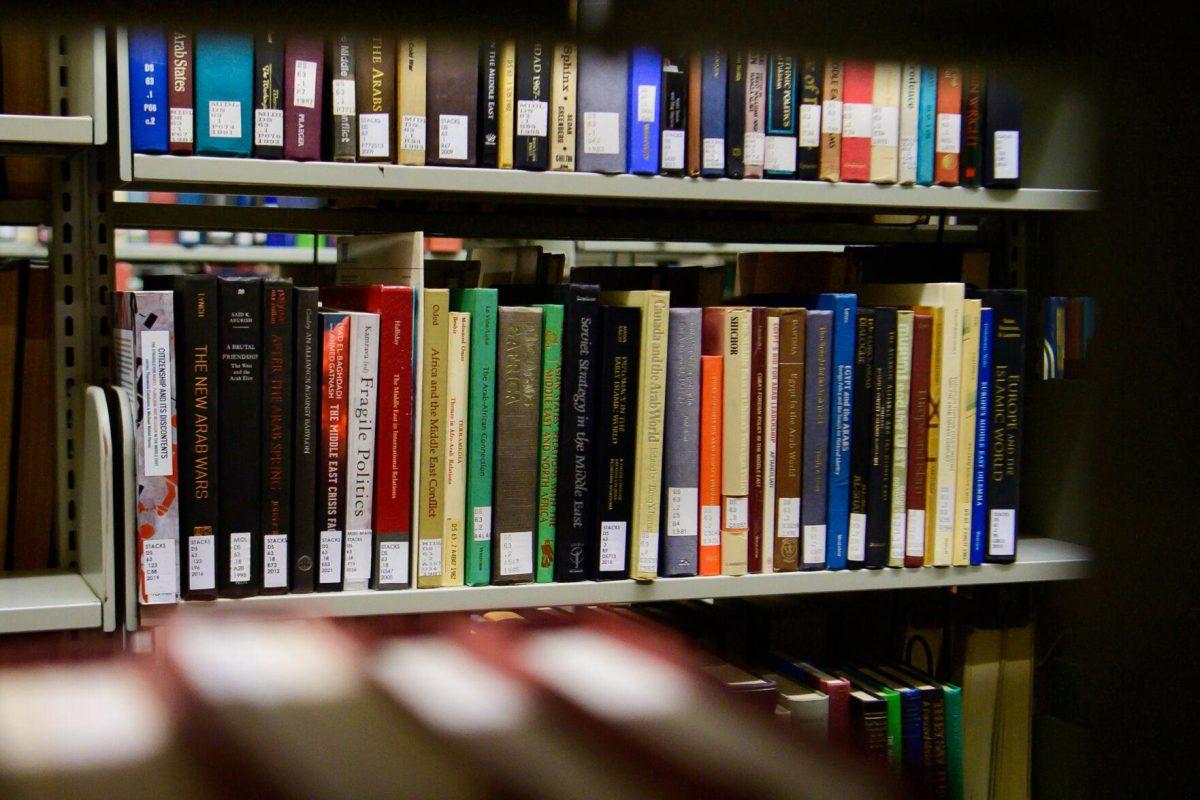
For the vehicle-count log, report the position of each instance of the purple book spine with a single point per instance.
(303, 82)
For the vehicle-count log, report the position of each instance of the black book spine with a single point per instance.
(196, 382)
(671, 158)
(268, 95)
(735, 116)
(808, 111)
(860, 437)
(488, 148)
(883, 410)
(531, 142)
(576, 434)
(240, 398)
(1008, 398)
(306, 426)
(617, 411)
(344, 97)
(971, 165)
(277, 434)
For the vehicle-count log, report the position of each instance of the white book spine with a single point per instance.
(770, 444)
(360, 468)
(910, 96)
(453, 537)
(947, 468)
(904, 332)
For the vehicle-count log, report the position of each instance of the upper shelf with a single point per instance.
(46, 601)
(22, 129)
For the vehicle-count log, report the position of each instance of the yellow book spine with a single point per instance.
(934, 441)
(564, 76)
(508, 88)
(948, 407)
(410, 100)
(968, 397)
(454, 544)
(885, 138)
(735, 453)
(431, 516)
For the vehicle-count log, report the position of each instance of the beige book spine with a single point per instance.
(885, 123)
(735, 434)
(410, 100)
(951, 397)
(904, 336)
(933, 447)
(831, 122)
(968, 397)
(431, 517)
(508, 88)
(454, 546)
(564, 75)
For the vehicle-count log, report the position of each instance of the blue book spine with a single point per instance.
(845, 312)
(149, 86)
(715, 65)
(912, 736)
(224, 93)
(983, 413)
(926, 121)
(645, 93)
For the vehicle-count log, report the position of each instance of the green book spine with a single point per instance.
(552, 326)
(952, 695)
(893, 727)
(481, 425)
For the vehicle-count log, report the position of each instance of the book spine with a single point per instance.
(303, 99)
(431, 521)
(714, 71)
(818, 338)
(883, 402)
(673, 145)
(488, 148)
(268, 95)
(918, 440)
(411, 55)
(531, 141)
(901, 395)
(615, 440)
(910, 112)
(343, 94)
(452, 92)
(224, 84)
(754, 149)
(695, 96)
(770, 443)
(735, 441)
(951, 412)
(148, 90)
(652, 390)
(965, 469)
(983, 410)
(735, 116)
(779, 155)
(335, 358)
(645, 89)
(602, 110)
(861, 438)
(841, 402)
(758, 400)
(1002, 134)
(936, 420)
(458, 373)
(564, 78)
(948, 135)
(857, 119)
(972, 119)
(885, 122)
(1007, 399)
(927, 124)
(552, 331)
(276, 459)
(182, 139)
(362, 402)
(1054, 335)
(710, 464)
(306, 407)
(790, 458)
(481, 431)
(507, 78)
(681, 476)
(376, 101)
(831, 120)
(240, 433)
(808, 158)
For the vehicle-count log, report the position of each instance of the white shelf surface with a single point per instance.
(278, 176)
(46, 601)
(34, 130)
(1039, 560)
(200, 254)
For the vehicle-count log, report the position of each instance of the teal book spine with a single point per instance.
(552, 328)
(952, 696)
(926, 123)
(481, 304)
(224, 93)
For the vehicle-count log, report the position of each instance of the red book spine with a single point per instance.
(758, 437)
(918, 441)
(712, 331)
(181, 140)
(948, 133)
(839, 710)
(335, 351)
(393, 448)
(303, 88)
(1074, 360)
(858, 90)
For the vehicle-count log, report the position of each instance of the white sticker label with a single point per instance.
(788, 524)
(885, 126)
(393, 562)
(1006, 155)
(374, 135)
(781, 154)
(896, 550)
(429, 558)
(683, 507)
(737, 513)
(1002, 534)
(481, 528)
(240, 558)
(358, 556)
(648, 553)
(202, 562)
(814, 544)
(452, 136)
(810, 125)
(710, 526)
(412, 132)
(831, 116)
(516, 553)
(275, 559)
(601, 133)
(159, 574)
(949, 133)
(612, 546)
(856, 548)
(945, 507)
(914, 540)
(647, 103)
(304, 84)
(908, 155)
(532, 117)
(714, 154)
(329, 557)
(343, 97)
(225, 119)
(268, 127)
(856, 120)
(181, 124)
(752, 149)
(673, 147)
(158, 441)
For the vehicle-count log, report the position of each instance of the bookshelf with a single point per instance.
(200, 254)
(47, 601)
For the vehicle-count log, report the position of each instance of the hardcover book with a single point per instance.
(841, 400)
(343, 95)
(431, 505)
(983, 408)
(552, 367)
(306, 417)
(948, 135)
(831, 120)
(507, 77)
(602, 111)
(808, 158)
(411, 57)
(615, 440)
(754, 149)
(933, 446)
(645, 91)
(758, 426)
(182, 104)
(303, 98)
(673, 149)
(857, 118)
(458, 372)
(268, 95)
(779, 155)
(790, 452)
(564, 78)
(735, 116)
(487, 150)
(148, 90)
(710, 464)
(727, 332)
(1002, 134)
(452, 102)
(910, 112)
(694, 98)
(837, 689)
(918, 439)
(770, 442)
(681, 474)
(224, 84)
(968, 393)
(331, 462)
(903, 389)
(362, 407)
(883, 407)
(927, 124)
(531, 119)
(375, 83)
(885, 122)
(276, 433)
(714, 67)
(972, 126)
(818, 339)
(860, 437)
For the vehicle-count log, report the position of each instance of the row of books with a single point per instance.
(390, 438)
(1068, 325)
(536, 105)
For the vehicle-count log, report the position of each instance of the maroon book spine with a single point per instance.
(758, 440)
(303, 89)
(182, 107)
(918, 440)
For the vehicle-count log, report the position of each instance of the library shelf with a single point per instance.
(33, 131)
(1039, 560)
(142, 253)
(46, 601)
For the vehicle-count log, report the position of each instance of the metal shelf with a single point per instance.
(201, 254)
(46, 601)
(21, 129)
(1040, 560)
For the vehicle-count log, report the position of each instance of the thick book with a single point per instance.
(874, 717)
(1002, 134)
(837, 689)
(694, 99)
(673, 144)
(452, 69)
(239, 395)
(858, 93)
(458, 374)
(343, 96)
(518, 386)
(901, 395)
(306, 429)
(789, 478)
(808, 118)
(965, 464)
(770, 442)
(933, 436)
(303, 98)
(644, 111)
(679, 544)
(602, 111)
(331, 461)
(507, 79)
(148, 90)
(735, 116)
(910, 112)
(818, 342)
(780, 151)
(362, 406)
(861, 435)
(711, 372)
(714, 77)
(531, 117)
(727, 333)
(927, 125)
(841, 400)
(758, 426)
(564, 77)
(832, 104)
(487, 149)
(885, 122)
(375, 82)
(983, 408)
(411, 57)
(431, 505)
(615, 440)
(551, 394)
(181, 101)
(224, 85)
(883, 408)
(971, 158)
(754, 147)
(268, 95)
(948, 136)
(276, 433)
(199, 485)
(918, 439)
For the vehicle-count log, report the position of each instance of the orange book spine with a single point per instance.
(948, 134)
(711, 397)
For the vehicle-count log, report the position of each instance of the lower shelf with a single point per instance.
(46, 601)
(1040, 560)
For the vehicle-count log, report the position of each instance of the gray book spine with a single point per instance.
(818, 349)
(602, 109)
(679, 553)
